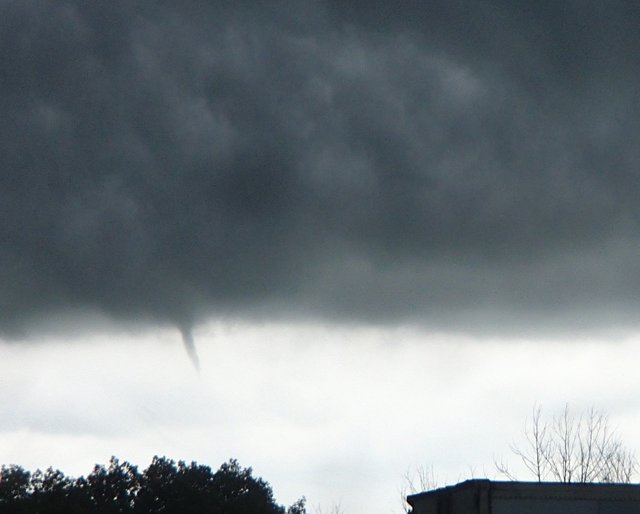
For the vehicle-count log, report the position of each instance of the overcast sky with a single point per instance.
(372, 217)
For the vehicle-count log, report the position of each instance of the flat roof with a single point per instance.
(538, 490)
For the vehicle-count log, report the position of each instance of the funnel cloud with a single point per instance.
(190, 347)
(458, 164)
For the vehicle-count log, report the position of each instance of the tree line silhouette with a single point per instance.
(164, 487)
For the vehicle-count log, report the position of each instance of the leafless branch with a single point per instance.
(571, 448)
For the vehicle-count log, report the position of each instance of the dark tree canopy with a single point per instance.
(119, 488)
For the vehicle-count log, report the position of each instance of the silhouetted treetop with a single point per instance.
(164, 487)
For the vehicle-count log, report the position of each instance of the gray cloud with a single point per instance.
(456, 163)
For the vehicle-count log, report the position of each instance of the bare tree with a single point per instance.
(415, 481)
(335, 508)
(570, 448)
(533, 453)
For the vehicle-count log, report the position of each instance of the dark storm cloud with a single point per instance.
(450, 162)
